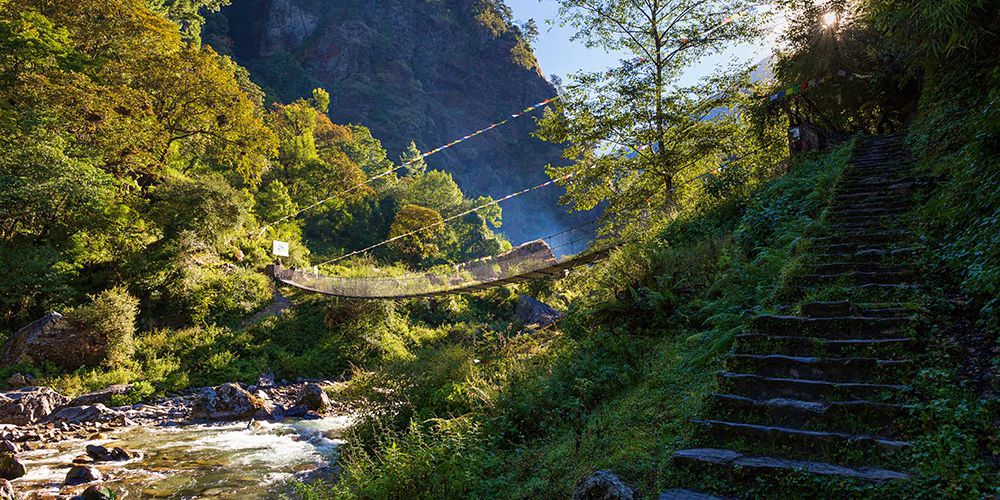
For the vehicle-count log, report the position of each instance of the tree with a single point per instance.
(419, 246)
(188, 14)
(634, 133)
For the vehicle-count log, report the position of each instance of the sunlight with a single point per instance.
(830, 19)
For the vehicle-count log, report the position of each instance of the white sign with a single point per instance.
(279, 248)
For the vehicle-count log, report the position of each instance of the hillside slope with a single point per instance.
(410, 70)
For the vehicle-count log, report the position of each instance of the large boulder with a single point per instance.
(28, 405)
(604, 485)
(314, 398)
(84, 414)
(10, 467)
(82, 474)
(533, 313)
(96, 492)
(7, 490)
(54, 339)
(229, 402)
(102, 396)
(103, 454)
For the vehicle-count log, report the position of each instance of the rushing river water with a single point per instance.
(199, 461)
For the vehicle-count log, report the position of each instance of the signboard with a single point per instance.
(279, 248)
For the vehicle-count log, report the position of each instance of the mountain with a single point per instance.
(426, 71)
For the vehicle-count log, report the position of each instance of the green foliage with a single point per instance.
(425, 224)
(531, 414)
(206, 207)
(110, 319)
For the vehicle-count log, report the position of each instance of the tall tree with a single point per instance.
(634, 132)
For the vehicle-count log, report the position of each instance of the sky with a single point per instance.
(558, 55)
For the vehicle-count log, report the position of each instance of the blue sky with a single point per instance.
(558, 55)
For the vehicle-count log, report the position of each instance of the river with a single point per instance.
(198, 461)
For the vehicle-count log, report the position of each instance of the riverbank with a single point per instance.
(230, 441)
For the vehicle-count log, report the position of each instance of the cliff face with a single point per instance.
(420, 70)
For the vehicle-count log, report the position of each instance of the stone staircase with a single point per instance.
(820, 392)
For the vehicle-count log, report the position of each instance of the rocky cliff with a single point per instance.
(427, 71)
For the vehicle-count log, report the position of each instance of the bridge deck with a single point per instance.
(308, 281)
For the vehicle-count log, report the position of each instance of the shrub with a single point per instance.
(110, 318)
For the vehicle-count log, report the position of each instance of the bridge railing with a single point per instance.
(518, 262)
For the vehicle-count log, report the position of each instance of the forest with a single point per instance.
(144, 176)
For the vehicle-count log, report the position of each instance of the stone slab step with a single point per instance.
(867, 185)
(888, 348)
(852, 278)
(872, 255)
(844, 211)
(798, 443)
(681, 494)
(759, 387)
(848, 369)
(860, 416)
(864, 237)
(847, 266)
(840, 308)
(742, 466)
(844, 327)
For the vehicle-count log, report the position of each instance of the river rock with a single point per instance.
(50, 339)
(84, 414)
(7, 490)
(533, 313)
(102, 454)
(229, 402)
(10, 467)
(28, 405)
(6, 445)
(604, 485)
(314, 398)
(102, 396)
(97, 492)
(82, 474)
(18, 380)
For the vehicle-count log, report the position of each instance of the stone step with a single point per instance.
(875, 255)
(831, 309)
(852, 278)
(854, 199)
(738, 467)
(861, 416)
(836, 215)
(868, 185)
(845, 369)
(843, 251)
(759, 387)
(682, 494)
(887, 348)
(789, 442)
(863, 238)
(846, 327)
(859, 225)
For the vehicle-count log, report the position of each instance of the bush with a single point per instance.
(110, 318)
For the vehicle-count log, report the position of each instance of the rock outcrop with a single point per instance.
(7, 490)
(313, 398)
(84, 414)
(102, 396)
(533, 313)
(103, 454)
(604, 485)
(230, 402)
(28, 405)
(53, 339)
(82, 474)
(411, 70)
(10, 467)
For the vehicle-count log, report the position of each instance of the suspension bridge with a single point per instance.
(531, 261)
